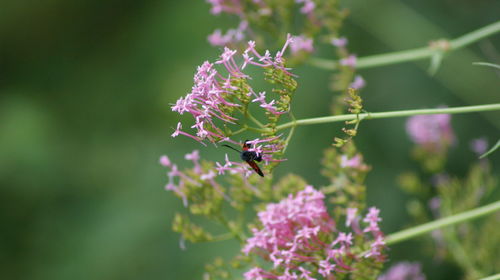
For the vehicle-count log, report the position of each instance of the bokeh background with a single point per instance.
(85, 94)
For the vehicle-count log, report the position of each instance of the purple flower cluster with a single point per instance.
(216, 98)
(404, 271)
(302, 241)
(432, 131)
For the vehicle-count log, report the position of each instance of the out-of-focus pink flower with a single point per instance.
(351, 216)
(431, 130)
(301, 43)
(308, 7)
(351, 61)
(226, 6)
(339, 42)
(165, 161)
(358, 82)
(479, 146)
(353, 162)
(404, 271)
(356, 162)
(232, 36)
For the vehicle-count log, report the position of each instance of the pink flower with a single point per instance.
(479, 146)
(308, 7)
(301, 43)
(232, 36)
(211, 100)
(358, 82)
(372, 219)
(297, 232)
(325, 268)
(404, 271)
(254, 274)
(165, 161)
(339, 42)
(353, 162)
(431, 130)
(349, 61)
(227, 6)
(351, 216)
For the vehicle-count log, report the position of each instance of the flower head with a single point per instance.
(433, 131)
(297, 233)
(219, 96)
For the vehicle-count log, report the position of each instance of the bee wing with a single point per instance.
(255, 167)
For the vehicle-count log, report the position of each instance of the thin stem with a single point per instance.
(223, 237)
(252, 118)
(413, 54)
(487, 64)
(437, 224)
(260, 130)
(290, 134)
(393, 114)
(492, 277)
(244, 128)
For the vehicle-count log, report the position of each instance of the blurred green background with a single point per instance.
(85, 94)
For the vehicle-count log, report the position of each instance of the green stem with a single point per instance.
(437, 224)
(252, 118)
(414, 54)
(393, 114)
(290, 134)
(487, 64)
(492, 277)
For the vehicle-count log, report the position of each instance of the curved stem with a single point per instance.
(492, 277)
(437, 224)
(414, 54)
(392, 114)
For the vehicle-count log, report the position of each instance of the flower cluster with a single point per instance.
(404, 271)
(301, 239)
(431, 131)
(202, 175)
(219, 99)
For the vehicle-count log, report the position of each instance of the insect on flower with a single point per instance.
(249, 156)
